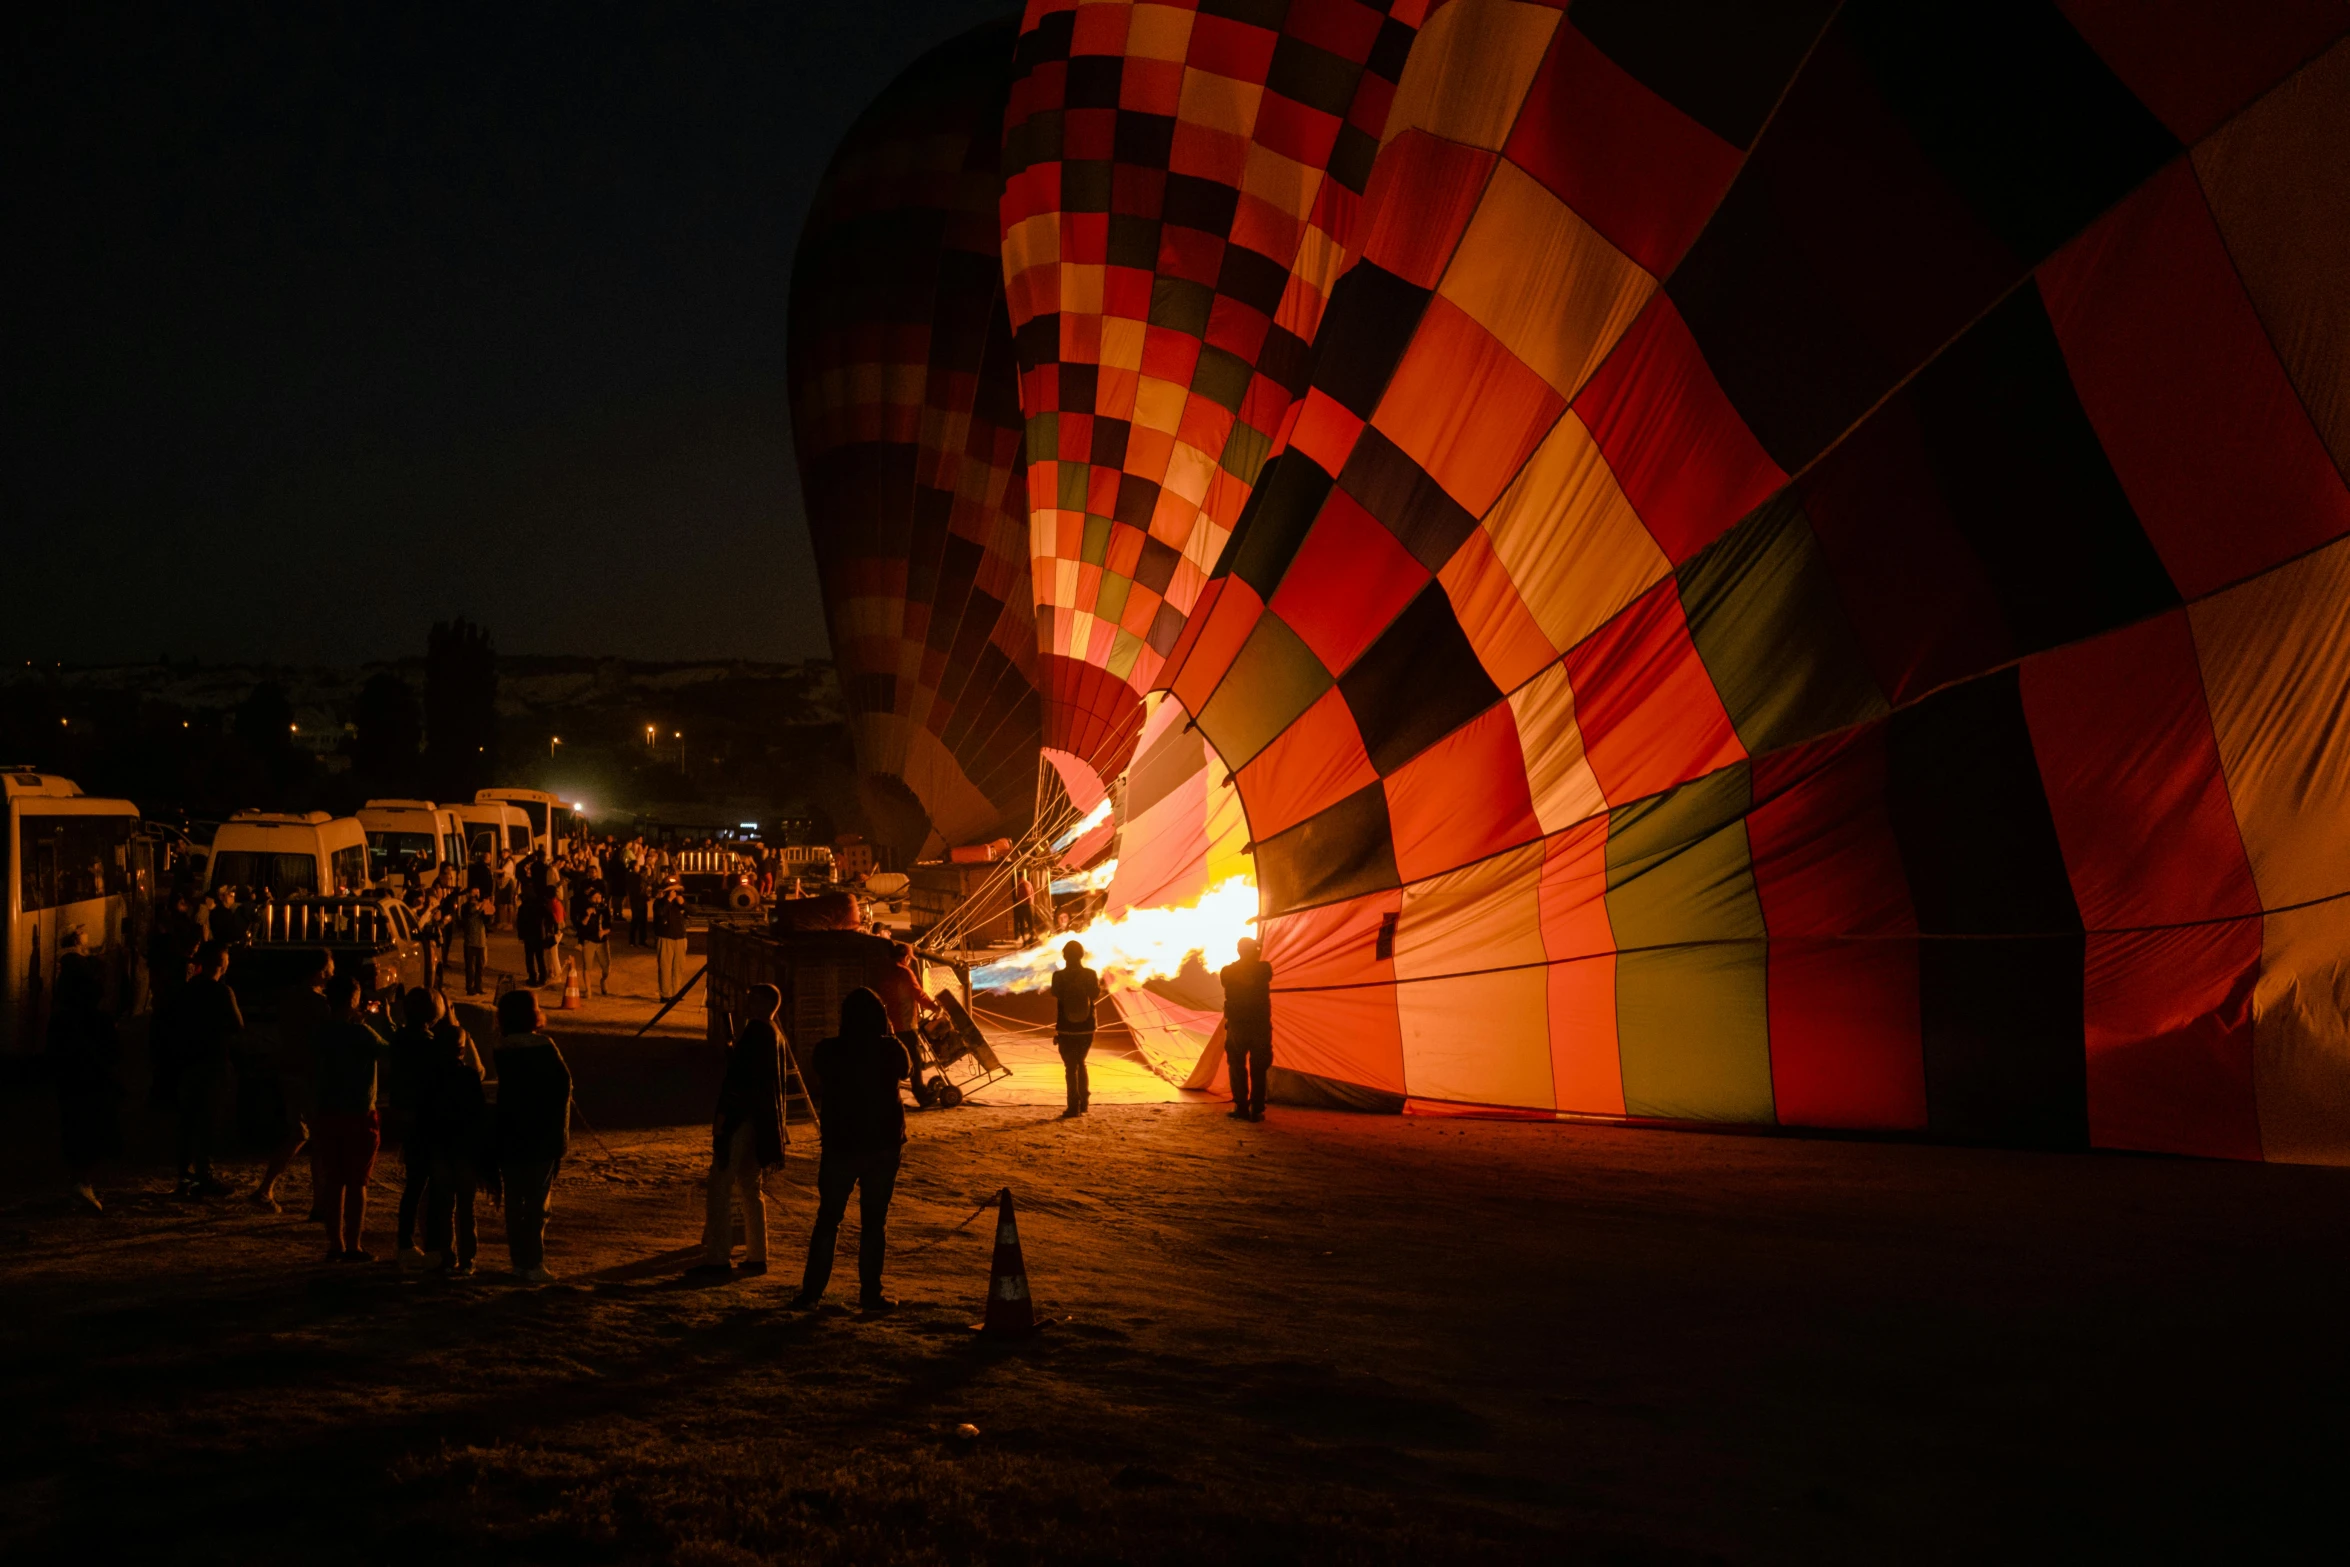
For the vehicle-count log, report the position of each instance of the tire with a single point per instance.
(741, 899)
(949, 1096)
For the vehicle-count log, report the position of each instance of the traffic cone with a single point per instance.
(571, 997)
(1010, 1313)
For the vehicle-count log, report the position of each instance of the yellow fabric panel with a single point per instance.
(2300, 1041)
(1558, 774)
(1469, 70)
(1081, 287)
(1218, 102)
(1480, 1038)
(1543, 281)
(1033, 241)
(1158, 405)
(1573, 544)
(1159, 32)
(1122, 342)
(1481, 916)
(2277, 178)
(1189, 471)
(1283, 184)
(2275, 653)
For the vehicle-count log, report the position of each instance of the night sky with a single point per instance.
(327, 320)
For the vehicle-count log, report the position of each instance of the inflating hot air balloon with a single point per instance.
(1807, 579)
(1178, 180)
(905, 409)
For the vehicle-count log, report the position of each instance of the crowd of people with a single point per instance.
(349, 1064)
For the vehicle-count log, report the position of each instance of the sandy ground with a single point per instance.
(1325, 1338)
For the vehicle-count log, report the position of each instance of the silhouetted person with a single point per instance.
(1248, 1028)
(533, 1128)
(450, 1135)
(594, 930)
(1076, 989)
(857, 1073)
(669, 939)
(902, 997)
(300, 1015)
(345, 1129)
(747, 1137)
(473, 923)
(207, 1022)
(83, 1052)
(413, 1048)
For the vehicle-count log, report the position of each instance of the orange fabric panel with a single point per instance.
(1648, 711)
(2287, 230)
(2154, 322)
(1496, 620)
(2300, 1042)
(1349, 579)
(1421, 193)
(1461, 799)
(1478, 1038)
(1335, 944)
(1464, 407)
(1316, 762)
(1587, 1074)
(1350, 1035)
(1217, 643)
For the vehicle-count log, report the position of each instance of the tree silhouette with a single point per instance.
(460, 709)
(390, 727)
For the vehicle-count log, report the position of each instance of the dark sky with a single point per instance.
(326, 320)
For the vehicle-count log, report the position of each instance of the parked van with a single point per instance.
(494, 825)
(411, 839)
(70, 873)
(553, 825)
(289, 855)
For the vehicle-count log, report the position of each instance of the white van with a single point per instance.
(492, 825)
(67, 876)
(411, 839)
(289, 855)
(553, 824)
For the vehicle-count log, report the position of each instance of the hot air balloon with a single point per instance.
(1178, 183)
(905, 411)
(1806, 580)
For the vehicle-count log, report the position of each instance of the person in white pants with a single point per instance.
(747, 1138)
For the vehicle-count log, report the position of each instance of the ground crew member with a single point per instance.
(1248, 1028)
(669, 941)
(1076, 989)
(858, 1072)
(747, 1138)
(902, 994)
(533, 1128)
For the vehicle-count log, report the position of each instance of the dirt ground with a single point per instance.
(1329, 1338)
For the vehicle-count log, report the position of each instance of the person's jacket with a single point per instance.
(752, 1095)
(452, 1113)
(1248, 998)
(1075, 990)
(534, 1099)
(669, 919)
(83, 1050)
(858, 1076)
(413, 1047)
(207, 1018)
(346, 1053)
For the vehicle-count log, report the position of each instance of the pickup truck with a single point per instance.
(353, 927)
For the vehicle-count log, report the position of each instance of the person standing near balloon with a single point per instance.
(1076, 991)
(1248, 1028)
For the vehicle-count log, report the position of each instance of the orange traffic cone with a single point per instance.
(1010, 1313)
(571, 997)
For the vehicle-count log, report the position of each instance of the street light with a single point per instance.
(552, 742)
